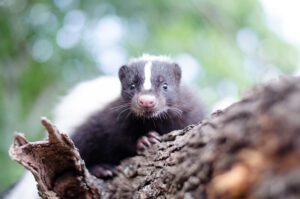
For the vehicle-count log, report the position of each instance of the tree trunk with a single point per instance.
(249, 150)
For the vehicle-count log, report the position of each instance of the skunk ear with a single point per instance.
(177, 72)
(123, 71)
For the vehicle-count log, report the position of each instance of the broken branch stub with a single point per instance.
(55, 164)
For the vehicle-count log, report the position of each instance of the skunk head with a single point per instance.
(150, 85)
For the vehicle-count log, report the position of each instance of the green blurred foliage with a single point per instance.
(208, 30)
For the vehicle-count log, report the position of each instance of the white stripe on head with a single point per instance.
(147, 71)
(147, 58)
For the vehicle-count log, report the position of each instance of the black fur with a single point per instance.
(111, 135)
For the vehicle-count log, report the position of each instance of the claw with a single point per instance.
(153, 140)
(154, 135)
(146, 141)
(141, 146)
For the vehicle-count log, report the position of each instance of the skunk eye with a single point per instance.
(132, 86)
(165, 86)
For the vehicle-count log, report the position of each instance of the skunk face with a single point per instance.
(150, 86)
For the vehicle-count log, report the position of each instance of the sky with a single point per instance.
(284, 18)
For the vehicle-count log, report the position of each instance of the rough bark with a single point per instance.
(249, 150)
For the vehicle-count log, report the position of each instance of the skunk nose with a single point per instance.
(146, 101)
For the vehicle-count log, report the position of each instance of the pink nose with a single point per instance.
(146, 101)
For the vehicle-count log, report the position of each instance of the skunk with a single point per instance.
(152, 102)
(110, 119)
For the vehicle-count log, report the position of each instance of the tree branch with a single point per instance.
(249, 150)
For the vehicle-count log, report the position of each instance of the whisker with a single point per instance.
(128, 114)
(123, 111)
(153, 122)
(119, 107)
(178, 112)
(165, 114)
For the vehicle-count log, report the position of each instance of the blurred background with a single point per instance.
(224, 47)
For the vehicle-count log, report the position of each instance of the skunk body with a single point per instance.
(152, 100)
(110, 119)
